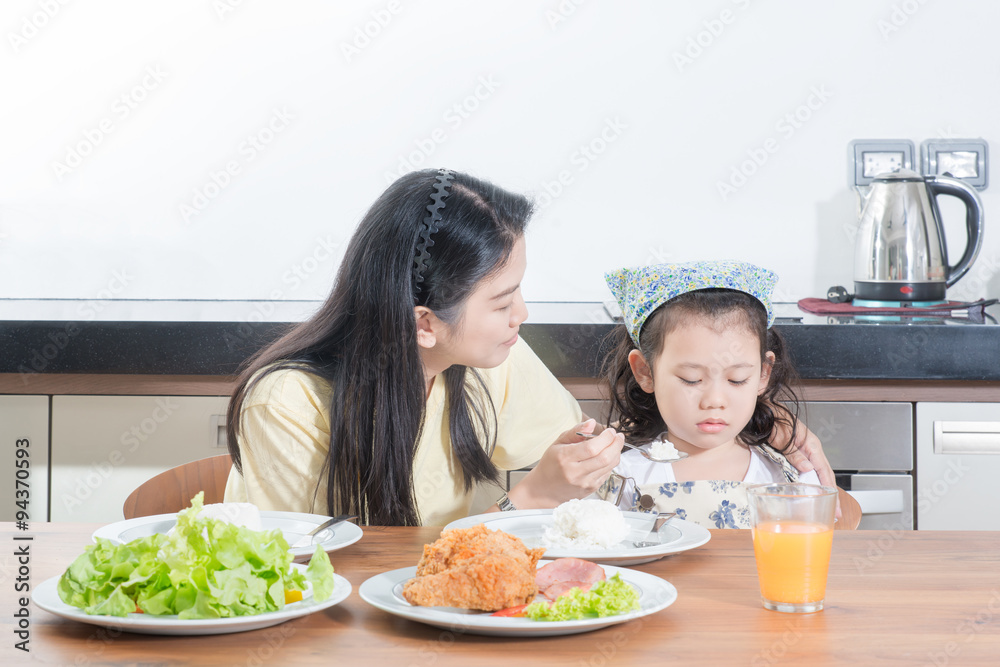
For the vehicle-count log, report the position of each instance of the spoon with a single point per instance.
(680, 455)
(307, 540)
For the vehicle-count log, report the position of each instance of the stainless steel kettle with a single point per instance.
(900, 252)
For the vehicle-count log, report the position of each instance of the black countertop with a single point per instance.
(215, 337)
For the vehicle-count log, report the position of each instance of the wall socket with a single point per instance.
(964, 159)
(967, 159)
(867, 158)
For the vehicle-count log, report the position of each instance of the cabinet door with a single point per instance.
(103, 447)
(958, 462)
(24, 425)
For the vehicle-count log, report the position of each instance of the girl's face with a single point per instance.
(487, 328)
(706, 381)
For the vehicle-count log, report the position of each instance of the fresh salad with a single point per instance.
(605, 598)
(204, 568)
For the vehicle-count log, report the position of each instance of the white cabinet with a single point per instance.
(24, 426)
(958, 464)
(103, 447)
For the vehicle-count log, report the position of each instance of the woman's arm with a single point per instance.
(573, 467)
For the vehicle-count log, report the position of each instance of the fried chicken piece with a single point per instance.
(474, 568)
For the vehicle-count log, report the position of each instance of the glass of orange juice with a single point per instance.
(792, 528)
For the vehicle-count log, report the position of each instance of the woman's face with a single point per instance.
(487, 329)
(706, 381)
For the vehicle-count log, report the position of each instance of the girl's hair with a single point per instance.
(635, 410)
(363, 342)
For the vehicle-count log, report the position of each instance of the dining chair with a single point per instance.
(850, 511)
(172, 490)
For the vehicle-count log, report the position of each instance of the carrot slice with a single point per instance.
(511, 611)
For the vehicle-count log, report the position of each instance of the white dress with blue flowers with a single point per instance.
(708, 503)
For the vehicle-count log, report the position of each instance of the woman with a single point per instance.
(410, 384)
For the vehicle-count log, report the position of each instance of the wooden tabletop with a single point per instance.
(921, 598)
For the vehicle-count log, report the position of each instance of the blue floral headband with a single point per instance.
(642, 290)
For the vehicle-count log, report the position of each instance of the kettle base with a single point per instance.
(899, 291)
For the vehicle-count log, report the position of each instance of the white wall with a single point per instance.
(201, 76)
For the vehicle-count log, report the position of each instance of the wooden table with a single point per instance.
(921, 598)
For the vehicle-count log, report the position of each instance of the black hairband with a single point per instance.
(430, 225)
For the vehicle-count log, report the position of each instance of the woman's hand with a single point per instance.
(573, 467)
(806, 454)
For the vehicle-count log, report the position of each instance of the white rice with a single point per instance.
(588, 525)
(663, 449)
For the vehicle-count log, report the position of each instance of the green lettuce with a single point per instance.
(205, 568)
(605, 598)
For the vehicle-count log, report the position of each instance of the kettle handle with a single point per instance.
(942, 185)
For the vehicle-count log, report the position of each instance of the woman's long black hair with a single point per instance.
(363, 341)
(635, 410)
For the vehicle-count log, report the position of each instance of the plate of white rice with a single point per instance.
(598, 532)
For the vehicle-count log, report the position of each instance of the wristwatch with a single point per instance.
(505, 505)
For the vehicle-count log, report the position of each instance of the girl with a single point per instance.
(696, 365)
(410, 384)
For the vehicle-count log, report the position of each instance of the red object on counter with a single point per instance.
(825, 307)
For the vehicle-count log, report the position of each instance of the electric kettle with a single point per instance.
(900, 252)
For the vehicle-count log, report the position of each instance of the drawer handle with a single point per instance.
(888, 501)
(966, 437)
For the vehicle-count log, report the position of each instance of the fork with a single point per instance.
(661, 518)
(680, 455)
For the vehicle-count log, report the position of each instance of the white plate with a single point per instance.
(384, 591)
(293, 525)
(529, 525)
(47, 597)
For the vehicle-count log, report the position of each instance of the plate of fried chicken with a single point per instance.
(470, 573)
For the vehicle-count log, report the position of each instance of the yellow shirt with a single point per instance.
(286, 436)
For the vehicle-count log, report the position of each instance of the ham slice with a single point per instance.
(562, 574)
(563, 587)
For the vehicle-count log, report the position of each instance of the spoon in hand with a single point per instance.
(680, 455)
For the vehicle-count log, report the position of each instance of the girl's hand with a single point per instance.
(573, 467)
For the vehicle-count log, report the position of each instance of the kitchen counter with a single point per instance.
(212, 338)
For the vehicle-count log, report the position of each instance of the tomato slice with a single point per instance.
(512, 611)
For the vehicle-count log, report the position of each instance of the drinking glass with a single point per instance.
(792, 528)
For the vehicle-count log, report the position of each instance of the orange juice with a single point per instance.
(793, 558)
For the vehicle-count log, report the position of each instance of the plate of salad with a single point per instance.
(649, 594)
(207, 576)
(292, 525)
